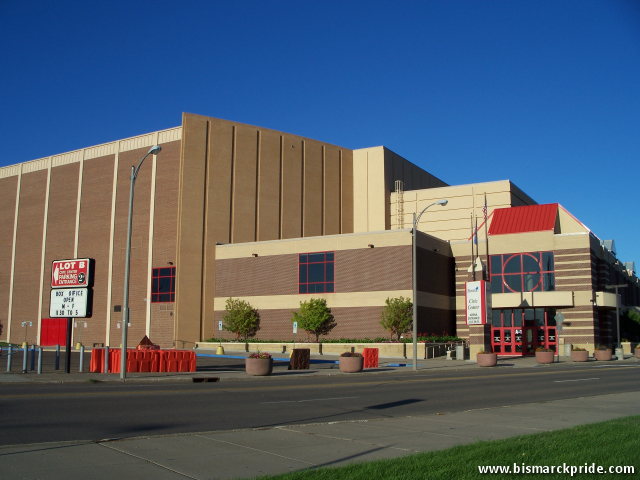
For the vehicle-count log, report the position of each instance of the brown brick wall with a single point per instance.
(28, 254)
(360, 270)
(61, 223)
(139, 245)
(165, 226)
(435, 272)
(373, 269)
(249, 276)
(8, 187)
(94, 232)
(436, 321)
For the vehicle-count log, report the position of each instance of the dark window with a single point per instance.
(163, 285)
(316, 272)
(522, 272)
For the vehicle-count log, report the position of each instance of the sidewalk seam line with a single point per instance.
(149, 461)
(257, 450)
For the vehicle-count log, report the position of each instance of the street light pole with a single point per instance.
(415, 283)
(125, 300)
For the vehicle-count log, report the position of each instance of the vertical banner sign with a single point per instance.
(478, 302)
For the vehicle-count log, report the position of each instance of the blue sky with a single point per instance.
(544, 93)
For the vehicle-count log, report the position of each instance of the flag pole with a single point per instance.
(473, 260)
(477, 248)
(486, 236)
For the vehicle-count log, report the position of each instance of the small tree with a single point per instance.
(241, 318)
(397, 316)
(314, 317)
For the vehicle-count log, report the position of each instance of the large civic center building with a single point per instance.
(232, 210)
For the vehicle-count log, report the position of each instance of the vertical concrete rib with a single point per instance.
(256, 236)
(13, 253)
(78, 201)
(340, 192)
(304, 158)
(233, 179)
(44, 245)
(281, 184)
(111, 234)
(322, 193)
(152, 209)
(205, 228)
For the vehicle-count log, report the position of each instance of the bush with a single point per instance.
(241, 318)
(397, 316)
(314, 317)
(350, 354)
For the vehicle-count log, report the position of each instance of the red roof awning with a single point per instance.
(532, 218)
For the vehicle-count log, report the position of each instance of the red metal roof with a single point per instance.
(532, 218)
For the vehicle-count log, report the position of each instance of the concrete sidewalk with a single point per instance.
(249, 453)
(231, 366)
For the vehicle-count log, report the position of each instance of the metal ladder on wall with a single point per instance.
(399, 204)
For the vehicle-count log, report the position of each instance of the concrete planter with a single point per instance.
(544, 357)
(351, 364)
(487, 359)
(603, 355)
(259, 366)
(579, 356)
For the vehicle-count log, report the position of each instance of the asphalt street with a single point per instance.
(95, 411)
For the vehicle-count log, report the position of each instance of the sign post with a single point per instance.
(70, 295)
(295, 330)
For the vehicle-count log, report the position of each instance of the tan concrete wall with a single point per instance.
(241, 183)
(376, 169)
(453, 221)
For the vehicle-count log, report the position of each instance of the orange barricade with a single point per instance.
(148, 360)
(370, 357)
(96, 364)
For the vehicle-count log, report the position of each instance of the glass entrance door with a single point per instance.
(519, 331)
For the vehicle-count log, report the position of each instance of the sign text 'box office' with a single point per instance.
(70, 303)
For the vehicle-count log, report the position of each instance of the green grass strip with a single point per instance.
(611, 443)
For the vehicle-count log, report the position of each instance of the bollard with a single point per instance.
(39, 360)
(9, 356)
(57, 357)
(33, 357)
(25, 354)
(81, 358)
(106, 359)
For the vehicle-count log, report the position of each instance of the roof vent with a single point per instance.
(630, 267)
(610, 245)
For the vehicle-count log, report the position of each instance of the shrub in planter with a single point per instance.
(602, 353)
(579, 354)
(486, 359)
(259, 364)
(351, 362)
(544, 355)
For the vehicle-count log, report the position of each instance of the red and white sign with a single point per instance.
(70, 273)
(478, 302)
